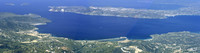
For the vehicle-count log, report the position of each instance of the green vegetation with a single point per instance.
(18, 35)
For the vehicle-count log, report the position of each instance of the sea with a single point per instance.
(88, 27)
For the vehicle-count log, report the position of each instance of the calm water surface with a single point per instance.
(77, 26)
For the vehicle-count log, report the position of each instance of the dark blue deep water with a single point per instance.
(79, 27)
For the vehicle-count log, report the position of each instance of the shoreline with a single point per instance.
(108, 39)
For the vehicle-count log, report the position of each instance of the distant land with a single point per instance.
(126, 12)
(18, 35)
(13, 4)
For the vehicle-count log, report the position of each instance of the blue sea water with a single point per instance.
(79, 27)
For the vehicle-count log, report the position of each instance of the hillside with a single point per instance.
(18, 35)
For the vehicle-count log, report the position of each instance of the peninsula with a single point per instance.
(126, 12)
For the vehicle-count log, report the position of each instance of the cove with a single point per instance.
(86, 27)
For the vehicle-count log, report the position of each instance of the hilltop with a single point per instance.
(18, 35)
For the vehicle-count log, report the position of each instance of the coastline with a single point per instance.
(107, 39)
